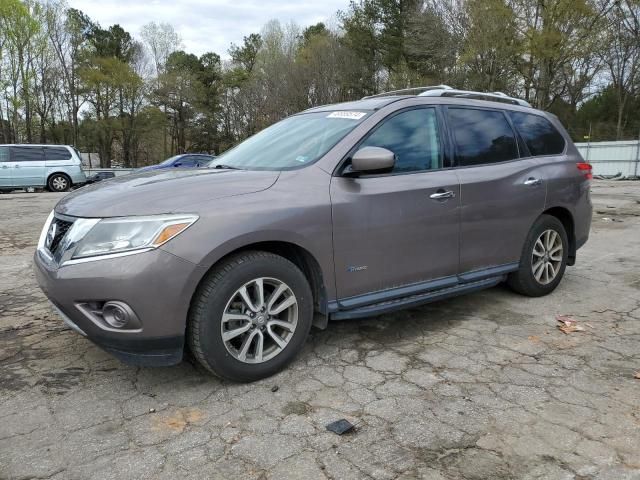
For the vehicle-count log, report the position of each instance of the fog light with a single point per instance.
(117, 314)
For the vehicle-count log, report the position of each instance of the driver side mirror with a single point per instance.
(179, 164)
(372, 159)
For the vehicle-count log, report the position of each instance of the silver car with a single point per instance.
(56, 167)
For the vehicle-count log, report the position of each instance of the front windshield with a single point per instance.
(293, 142)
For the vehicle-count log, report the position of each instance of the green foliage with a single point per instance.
(65, 78)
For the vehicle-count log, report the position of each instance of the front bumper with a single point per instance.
(156, 285)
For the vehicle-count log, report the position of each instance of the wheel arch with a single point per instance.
(58, 172)
(566, 218)
(299, 256)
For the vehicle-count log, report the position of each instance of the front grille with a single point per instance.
(61, 229)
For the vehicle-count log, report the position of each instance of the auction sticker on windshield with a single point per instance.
(349, 115)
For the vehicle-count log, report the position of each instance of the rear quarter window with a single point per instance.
(538, 133)
(4, 154)
(56, 153)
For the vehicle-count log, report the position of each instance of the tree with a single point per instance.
(623, 56)
(161, 41)
(66, 79)
(19, 29)
(554, 33)
(67, 30)
(490, 46)
(102, 77)
(245, 55)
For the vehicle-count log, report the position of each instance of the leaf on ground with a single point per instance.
(567, 329)
(565, 319)
(568, 325)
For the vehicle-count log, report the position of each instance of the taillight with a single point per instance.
(586, 169)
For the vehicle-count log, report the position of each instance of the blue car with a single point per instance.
(185, 160)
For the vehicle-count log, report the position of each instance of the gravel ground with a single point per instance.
(482, 386)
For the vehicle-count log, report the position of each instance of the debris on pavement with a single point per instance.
(152, 410)
(275, 388)
(637, 375)
(568, 325)
(341, 426)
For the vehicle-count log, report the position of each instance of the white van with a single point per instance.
(56, 167)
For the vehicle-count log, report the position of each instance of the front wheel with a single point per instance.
(59, 182)
(250, 317)
(544, 258)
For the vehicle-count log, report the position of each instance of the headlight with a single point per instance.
(127, 234)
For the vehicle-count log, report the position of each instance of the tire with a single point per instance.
(59, 182)
(219, 294)
(545, 279)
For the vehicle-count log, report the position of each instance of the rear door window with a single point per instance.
(27, 154)
(539, 134)
(56, 153)
(481, 136)
(4, 154)
(413, 136)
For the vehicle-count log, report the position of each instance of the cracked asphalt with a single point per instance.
(481, 386)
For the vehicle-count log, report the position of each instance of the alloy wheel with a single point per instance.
(259, 320)
(546, 258)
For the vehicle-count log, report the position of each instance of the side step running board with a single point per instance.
(415, 300)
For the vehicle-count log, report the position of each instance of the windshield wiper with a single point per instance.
(220, 166)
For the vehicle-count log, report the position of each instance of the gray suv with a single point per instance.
(339, 212)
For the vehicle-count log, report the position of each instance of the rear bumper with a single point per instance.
(582, 218)
(155, 284)
(78, 177)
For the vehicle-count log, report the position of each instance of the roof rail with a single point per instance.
(409, 91)
(447, 91)
(488, 96)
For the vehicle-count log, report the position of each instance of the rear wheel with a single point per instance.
(250, 317)
(544, 258)
(59, 182)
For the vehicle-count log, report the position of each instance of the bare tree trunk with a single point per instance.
(622, 101)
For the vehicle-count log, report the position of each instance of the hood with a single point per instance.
(162, 191)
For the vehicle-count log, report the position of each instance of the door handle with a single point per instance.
(441, 195)
(16, 166)
(532, 181)
(5, 166)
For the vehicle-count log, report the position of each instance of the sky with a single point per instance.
(208, 25)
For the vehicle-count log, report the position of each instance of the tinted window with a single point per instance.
(187, 162)
(482, 136)
(413, 137)
(201, 160)
(4, 154)
(539, 134)
(56, 153)
(169, 161)
(26, 154)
